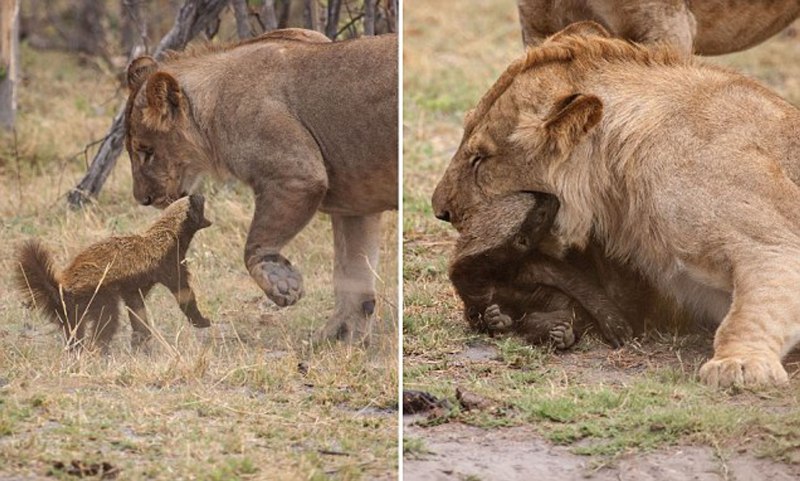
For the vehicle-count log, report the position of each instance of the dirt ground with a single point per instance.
(465, 452)
(459, 451)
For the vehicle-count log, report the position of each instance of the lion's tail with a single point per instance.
(37, 279)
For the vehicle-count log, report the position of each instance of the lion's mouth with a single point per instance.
(164, 201)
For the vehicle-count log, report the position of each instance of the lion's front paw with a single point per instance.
(279, 280)
(562, 335)
(745, 371)
(495, 319)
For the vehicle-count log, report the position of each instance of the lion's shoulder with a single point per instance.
(290, 34)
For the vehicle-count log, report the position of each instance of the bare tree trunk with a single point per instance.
(134, 27)
(9, 61)
(369, 17)
(268, 16)
(242, 19)
(393, 16)
(286, 11)
(192, 18)
(332, 26)
(310, 15)
(90, 36)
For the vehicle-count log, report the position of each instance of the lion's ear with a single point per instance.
(164, 101)
(468, 116)
(586, 29)
(139, 70)
(571, 118)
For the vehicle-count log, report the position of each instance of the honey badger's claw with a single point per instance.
(616, 331)
(495, 319)
(279, 280)
(563, 336)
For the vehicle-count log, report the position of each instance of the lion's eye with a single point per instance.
(146, 154)
(476, 159)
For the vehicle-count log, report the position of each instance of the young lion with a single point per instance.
(310, 125)
(88, 291)
(684, 171)
(508, 285)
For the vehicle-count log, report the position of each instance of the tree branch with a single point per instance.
(242, 23)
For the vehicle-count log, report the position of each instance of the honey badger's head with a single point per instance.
(188, 213)
(196, 213)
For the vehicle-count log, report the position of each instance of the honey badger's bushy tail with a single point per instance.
(37, 280)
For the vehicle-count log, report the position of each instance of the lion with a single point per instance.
(508, 285)
(308, 124)
(686, 171)
(705, 27)
(87, 293)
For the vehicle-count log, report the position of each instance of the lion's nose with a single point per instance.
(443, 215)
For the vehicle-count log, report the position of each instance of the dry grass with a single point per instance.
(601, 402)
(229, 403)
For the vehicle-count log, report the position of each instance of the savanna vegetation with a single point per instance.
(252, 397)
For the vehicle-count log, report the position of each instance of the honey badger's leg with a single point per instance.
(356, 244)
(609, 319)
(177, 281)
(284, 206)
(105, 317)
(558, 327)
(138, 316)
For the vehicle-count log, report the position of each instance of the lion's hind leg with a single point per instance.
(356, 242)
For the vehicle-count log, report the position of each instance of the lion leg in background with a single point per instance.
(668, 21)
(137, 315)
(283, 208)
(356, 242)
(762, 325)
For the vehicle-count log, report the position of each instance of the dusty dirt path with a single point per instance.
(460, 452)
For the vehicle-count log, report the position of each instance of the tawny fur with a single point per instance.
(508, 285)
(685, 171)
(85, 296)
(310, 125)
(705, 27)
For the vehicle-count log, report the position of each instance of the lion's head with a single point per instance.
(163, 142)
(535, 116)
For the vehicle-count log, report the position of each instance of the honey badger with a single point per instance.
(87, 293)
(508, 285)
